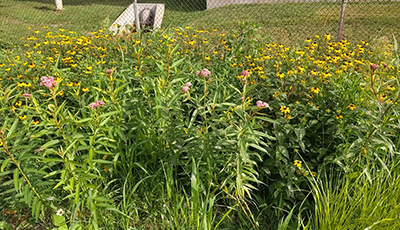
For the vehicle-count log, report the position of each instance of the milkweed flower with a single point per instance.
(188, 84)
(244, 73)
(27, 95)
(197, 72)
(205, 72)
(48, 82)
(260, 104)
(185, 89)
(374, 67)
(109, 71)
(96, 104)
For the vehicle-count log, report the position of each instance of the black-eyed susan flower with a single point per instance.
(280, 75)
(85, 89)
(35, 122)
(77, 83)
(339, 116)
(315, 90)
(390, 87)
(297, 163)
(23, 117)
(351, 106)
(285, 109)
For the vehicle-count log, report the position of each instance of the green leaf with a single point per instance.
(177, 63)
(267, 119)
(108, 114)
(16, 179)
(300, 133)
(5, 164)
(84, 120)
(49, 144)
(13, 128)
(58, 220)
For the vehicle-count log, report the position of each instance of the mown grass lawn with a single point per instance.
(283, 22)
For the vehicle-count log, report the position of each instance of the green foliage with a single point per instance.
(187, 129)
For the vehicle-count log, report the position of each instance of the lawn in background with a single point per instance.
(287, 23)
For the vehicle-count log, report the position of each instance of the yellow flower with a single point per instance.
(18, 103)
(280, 75)
(297, 163)
(339, 117)
(85, 89)
(70, 84)
(1, 143)
(35, 122)
(390, 87)
(315, 90)
(351, 106)
(77, 83)
(23, 117)
(285, 109)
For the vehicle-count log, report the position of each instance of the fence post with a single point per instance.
(136, 10)
(341, 20)
(59, 5)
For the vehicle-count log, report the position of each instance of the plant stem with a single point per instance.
(3, 139)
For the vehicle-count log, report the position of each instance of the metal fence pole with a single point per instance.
(341, 21)
(136, 10)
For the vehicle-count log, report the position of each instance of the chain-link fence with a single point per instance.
(283, 20)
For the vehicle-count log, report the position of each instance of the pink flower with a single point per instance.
(197, 72)
(374, 67)
(109, 71)
(205, 72)
(27, 95)
(185, 89)
(260, 104)
(242, 98)
(96, 104)
(244, 73)
(48, 82)
(188, 84)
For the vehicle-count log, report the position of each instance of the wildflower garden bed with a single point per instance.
(197, 129)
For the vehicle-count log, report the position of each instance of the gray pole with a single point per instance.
(136, 10)
(341, 20)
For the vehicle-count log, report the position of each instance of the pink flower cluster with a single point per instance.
(109, 71)
(96, 104)
(204, 72)
(260, 104)
(48, 82)
(27, 95)
(185, 88)
(244, 73)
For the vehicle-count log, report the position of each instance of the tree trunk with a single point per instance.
(59, 5)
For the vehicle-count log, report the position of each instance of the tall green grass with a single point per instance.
(366, 200)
